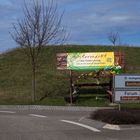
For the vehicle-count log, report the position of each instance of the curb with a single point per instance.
(111, 127)
(62, 108)
(102, 125)
(122, 127)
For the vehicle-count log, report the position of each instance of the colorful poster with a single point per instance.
(61, 61)
(89, 61)
(85, 61)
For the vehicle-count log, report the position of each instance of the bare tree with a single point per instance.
(41, 26)
(113, 37)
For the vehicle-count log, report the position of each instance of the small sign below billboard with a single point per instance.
(127, 81)
(126, 88)
(127, 96)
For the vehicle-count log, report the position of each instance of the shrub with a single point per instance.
(125, 116)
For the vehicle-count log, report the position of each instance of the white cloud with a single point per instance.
(96, 18)
(120, 18)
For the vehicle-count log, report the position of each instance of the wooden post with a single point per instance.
(111, 89)
(71, 88)
(119, 107)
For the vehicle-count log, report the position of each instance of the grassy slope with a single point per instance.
(15, 74)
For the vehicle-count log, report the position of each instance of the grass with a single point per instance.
(15, 75)
(58, 101)
(92, 97)
(92, 102)
(130, 105)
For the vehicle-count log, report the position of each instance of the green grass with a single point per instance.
(81, 101)
(15, 75)
(130, 105)
(59, 101)
(51, 101)
(92, 102)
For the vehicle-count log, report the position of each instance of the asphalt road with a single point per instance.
(57, 125)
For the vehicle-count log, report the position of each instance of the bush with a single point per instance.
(125, 116)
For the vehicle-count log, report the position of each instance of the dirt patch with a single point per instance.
(114, 116)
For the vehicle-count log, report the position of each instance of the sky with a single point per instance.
(89, 22)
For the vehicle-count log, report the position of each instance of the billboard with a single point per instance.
(85, 61)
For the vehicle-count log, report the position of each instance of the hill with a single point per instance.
(15, 73)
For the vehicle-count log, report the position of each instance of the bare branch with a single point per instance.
(113, 37)
(41, 26)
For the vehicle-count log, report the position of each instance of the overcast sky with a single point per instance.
(88, 21)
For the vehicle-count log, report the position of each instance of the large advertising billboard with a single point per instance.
(85, 61)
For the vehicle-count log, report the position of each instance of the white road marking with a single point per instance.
(112, 127)
(82, 125)
(12, 112)
(40, 116)
(81, 118)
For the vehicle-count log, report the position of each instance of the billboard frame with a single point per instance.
(118, 59)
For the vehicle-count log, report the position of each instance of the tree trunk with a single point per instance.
(33, 84)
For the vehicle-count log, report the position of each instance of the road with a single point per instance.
(56, 125)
